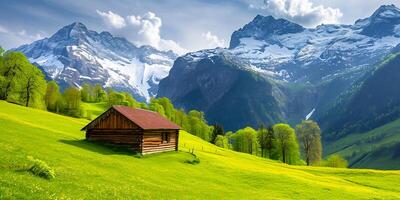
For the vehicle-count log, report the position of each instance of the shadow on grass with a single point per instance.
(101, 147)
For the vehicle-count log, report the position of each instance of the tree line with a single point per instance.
(297, 146)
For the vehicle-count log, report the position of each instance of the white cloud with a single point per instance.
(212, 40)
(145, 30)
(112, 19)
(149, 32)
(303, 12)
(134, 20)
(14, 38)
(3, 29)
(29, 38)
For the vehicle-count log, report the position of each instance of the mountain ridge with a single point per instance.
(306, 68)
(75, 55)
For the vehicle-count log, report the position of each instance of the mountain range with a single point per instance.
(291, 71)
(75, 55)
(274, 70)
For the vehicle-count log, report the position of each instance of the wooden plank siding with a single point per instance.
(128, 138)
(114, 120)
(152, 141)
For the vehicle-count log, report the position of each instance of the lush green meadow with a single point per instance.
(92, 171)
(372, 149)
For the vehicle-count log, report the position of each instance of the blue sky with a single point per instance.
(181, 25)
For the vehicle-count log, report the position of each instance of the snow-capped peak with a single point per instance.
(75, 55)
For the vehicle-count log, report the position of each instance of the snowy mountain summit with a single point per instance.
(289, 52)
(297, 69)
(75, 55)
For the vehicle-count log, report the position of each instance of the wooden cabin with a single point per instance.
(140, 130)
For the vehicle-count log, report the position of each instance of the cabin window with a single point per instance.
(165, 137)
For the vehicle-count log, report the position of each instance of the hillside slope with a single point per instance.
(364, 124)
(377, 149)
(90, 171)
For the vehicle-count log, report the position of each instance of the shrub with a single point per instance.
(41, 169)
(335, 161)
(193, 161)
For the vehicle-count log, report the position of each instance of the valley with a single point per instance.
(88, 170)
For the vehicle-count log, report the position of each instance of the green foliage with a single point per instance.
(266, 139)
(93, 93)
(53, 98)
(116, 98)
(41, 169)
(222, 141)
(2, 51)
(34, 87)
(309, 135)
(287, 147)
(375, 149)
(20, 81)
(335, 161)
(245, 140)
(217, 130)
(193, 161)
(72, 97)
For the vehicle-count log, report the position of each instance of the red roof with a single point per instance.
(146, 119)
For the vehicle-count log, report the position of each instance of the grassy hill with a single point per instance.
(87, 170)
(378, 148)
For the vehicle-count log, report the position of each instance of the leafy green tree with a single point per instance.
(53, 97)
(262, 138)
(222, 141)
(116, 98)
(34, 85)
(99, 94)
(270, 144)
(266, 140)
(245, 140)
(86, 93)
(197, 125)
(287, 146)
(14, 63)
(309, 135)
(2, 51)
(155, 106)
(131, 101)
(335, 161)
(169, 109)
(72, 97)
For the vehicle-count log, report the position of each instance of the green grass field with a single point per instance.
(92, 171)
(372, 149)
(95, 108)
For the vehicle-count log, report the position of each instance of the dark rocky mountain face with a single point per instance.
(383, 22)
(261, 27)
(278, 70)
(75, 55)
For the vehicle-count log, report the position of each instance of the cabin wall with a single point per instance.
(152, 141)
(129, 138)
